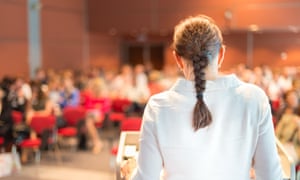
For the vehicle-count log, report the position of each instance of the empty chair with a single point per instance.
(1, 143)
(131, 124)
(38, 124)
(119, 109)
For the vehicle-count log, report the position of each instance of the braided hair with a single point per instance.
(198, 40)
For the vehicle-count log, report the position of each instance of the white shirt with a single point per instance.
(241, 130)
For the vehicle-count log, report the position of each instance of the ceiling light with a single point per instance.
(253, 28)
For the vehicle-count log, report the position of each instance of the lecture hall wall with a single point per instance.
(78, 34)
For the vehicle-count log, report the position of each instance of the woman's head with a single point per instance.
(291, 99)
(198, 42)
(198, 50)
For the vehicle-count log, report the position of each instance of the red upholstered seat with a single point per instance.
(67, 131)
(120, 105)
(31, 143)
(17, 117)
(131, 124)
(1, 140)
(117, 116)
(114, 150)
(39, 124)
(73, 115)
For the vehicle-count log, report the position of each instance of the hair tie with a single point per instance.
(200, 95)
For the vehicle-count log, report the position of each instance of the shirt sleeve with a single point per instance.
(149, 161)
(266, 159)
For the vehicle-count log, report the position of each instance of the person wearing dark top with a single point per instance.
(290, 104)
(6, 122)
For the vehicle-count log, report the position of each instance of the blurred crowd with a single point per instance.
(51, 91)
(282, 86)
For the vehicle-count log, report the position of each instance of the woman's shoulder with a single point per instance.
(250, 89)
(161, 99)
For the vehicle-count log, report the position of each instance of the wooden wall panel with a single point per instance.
(63, 34)
(13, 38)
(14, 59)
(156, 15)
(69, 5)
(104, 51)
(236, 50)
(268, 49)
(267, 18)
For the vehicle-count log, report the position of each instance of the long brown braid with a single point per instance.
(198, 40)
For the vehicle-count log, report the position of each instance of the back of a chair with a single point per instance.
(17, 117)
(1, 140)
(131, 124)
(120, 105)
(104, 103)
(41, 123)
(73, 115)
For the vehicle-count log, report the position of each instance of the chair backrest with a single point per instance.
(17, 117)
(1, 140)
(73, 115)
(131, 124)
(41, 123)
(120, 105)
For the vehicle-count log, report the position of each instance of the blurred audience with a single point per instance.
(96, 90)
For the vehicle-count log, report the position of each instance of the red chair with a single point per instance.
(103, 105)
(118, 109)
(1, 143)
(68, 134)
(120, 105)
(72, 115)
(1, 140)
(39, 124)
(131, 124)
(17, 117)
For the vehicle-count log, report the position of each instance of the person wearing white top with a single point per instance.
(207, 126)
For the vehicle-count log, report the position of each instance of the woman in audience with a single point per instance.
(289, 104)
(97, 104)
(287, 127)
(207, 126)
(122, 83)
(139, 92)
(70, 95)
(41, 105)
(6, 122)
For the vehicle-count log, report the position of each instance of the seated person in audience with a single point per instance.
(289, 104)
(6, 122)
(41, 105)
(70, 95)
(122, 82)
(139, 92)
(288, 125)
(97, 104)
(17, 96)
(16, 100)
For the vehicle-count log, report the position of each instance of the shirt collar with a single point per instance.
(222, 82)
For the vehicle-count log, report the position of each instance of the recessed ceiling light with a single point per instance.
(294, 29)
(253, 27)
